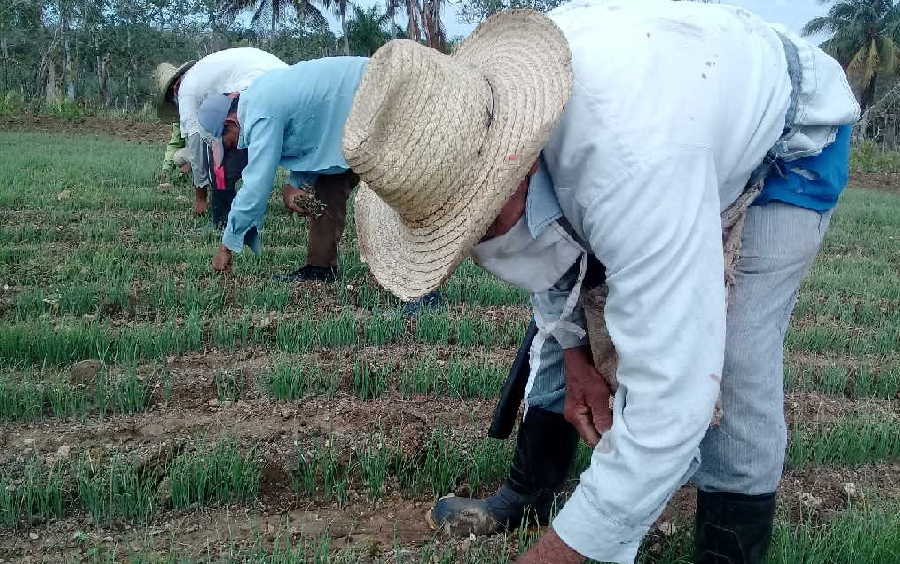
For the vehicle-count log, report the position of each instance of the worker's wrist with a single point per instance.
(577, 354)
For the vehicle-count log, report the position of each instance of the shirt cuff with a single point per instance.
(235, 241)
(593, 535)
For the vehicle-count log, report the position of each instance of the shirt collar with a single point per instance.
(541, 205)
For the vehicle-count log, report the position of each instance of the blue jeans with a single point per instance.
(745, 452)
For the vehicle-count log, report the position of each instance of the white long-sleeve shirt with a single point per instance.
(222, 72)
(673, 106)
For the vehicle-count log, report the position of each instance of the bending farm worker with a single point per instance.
(175, 157)
(294, 118)
(181, 92)
(632, 140)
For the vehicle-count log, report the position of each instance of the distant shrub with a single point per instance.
(867, 156)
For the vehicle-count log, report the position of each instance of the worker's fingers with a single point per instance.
(602, 419)
(580, 417)
(601, 414)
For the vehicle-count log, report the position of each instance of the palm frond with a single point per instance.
(818, 25)
(864, 65)
(887, 54)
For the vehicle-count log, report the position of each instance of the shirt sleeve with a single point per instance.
(658, 233)
(549, 306)
(248, 209)
(196, 153)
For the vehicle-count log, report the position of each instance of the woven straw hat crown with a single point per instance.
(165, 75)
(442, 141)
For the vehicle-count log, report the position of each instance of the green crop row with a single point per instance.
(41, 341)
(117, 487)
(27, 398)
(850, 441)
(853, 379)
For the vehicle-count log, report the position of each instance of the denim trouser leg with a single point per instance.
(548, 391)
(745, 453)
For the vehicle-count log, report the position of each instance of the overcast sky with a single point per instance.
(793, 13)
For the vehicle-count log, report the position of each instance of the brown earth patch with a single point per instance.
(885, 181)
(816, 407)
(137, 131)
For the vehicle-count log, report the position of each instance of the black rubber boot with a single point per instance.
(733, 528)
(431, 300)
(310, 273)
(544, 450)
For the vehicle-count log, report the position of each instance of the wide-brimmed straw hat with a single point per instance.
(442, 142)
(165, 75)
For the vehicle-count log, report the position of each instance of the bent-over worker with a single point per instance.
(651, 118)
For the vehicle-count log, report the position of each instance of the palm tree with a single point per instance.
(339, 9)
(864, 38)
(368, 30)
(278, 10)
(423, 20)
(435, 35)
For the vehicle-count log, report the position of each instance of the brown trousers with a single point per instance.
(325, 231)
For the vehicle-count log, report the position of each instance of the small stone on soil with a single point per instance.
(33, 536)
(850, 490)
(809, 500)
(64, 451)
(667, 528)
(85, 372)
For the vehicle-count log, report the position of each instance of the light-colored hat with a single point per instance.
(165, 75)
(442, 142)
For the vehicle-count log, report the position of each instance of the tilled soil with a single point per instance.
(886, 181)
(193, 415)
(136, 131)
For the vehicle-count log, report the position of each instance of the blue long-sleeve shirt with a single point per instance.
(294, 118)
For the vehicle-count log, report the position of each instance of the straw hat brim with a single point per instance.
(169, 110)
(527, 62)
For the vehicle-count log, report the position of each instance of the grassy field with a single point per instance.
(153, 411)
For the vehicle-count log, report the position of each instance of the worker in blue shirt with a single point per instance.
(291, 117)
(294, 118)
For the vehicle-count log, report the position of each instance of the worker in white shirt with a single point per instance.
(183, 89)
(634, 137)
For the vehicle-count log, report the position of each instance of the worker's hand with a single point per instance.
(221, 262)
(288, 195)
(550, 549)
(587, 396)
(185, 168)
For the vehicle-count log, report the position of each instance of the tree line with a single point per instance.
(100, 53)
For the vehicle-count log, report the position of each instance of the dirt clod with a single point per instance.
(84, 372)
(809, 500)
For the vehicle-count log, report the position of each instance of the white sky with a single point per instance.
(792, 13)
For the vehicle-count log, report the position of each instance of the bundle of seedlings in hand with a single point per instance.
(308, 205)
